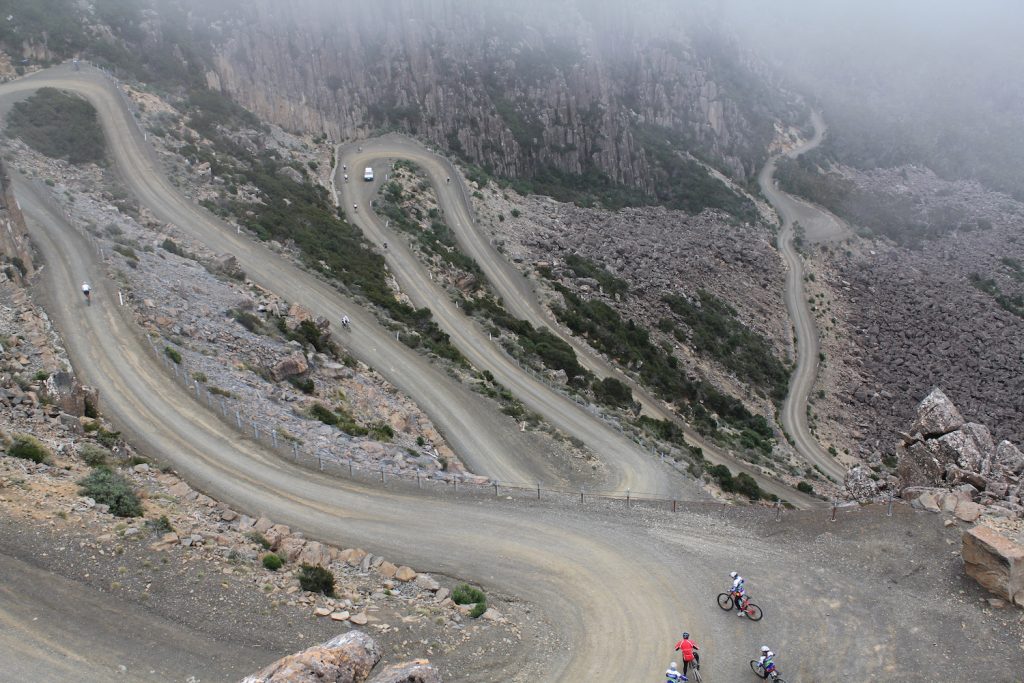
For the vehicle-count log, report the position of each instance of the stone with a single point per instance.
(359, 619)
(996, 603)
(228, 516)
(859, 483)
(918, 467)
(314, 553)
(141, 468)
(277, 533)
(427, 582)
(405, 574)
(245, 523)
(996, 562)
(387, 570)
(969, 512)
(948, 523)
(180, 490)
(1010, 457)
(322, 611)
(262, 525)
(967, 447)
(442, 594)
(926, 501)
(291, 548)
(346, 658)
(227, 264)
(419, 671)
(948, 502)
(291, 365)
(340, 616)
(355, 558)
(492, 614)
(936, 415)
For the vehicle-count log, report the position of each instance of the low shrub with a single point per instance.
(804, 487)
(108, 439)
(464, 594)
(161, 525)
(321, 412)
(478, 610)
(259, 539)
(274, 562)
(173, 354)
(28, 447)
(109, 488)
(93, 454)
(316, 579)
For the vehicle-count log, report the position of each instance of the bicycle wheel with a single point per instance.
(754, 612)
(756, 668)
(695, 675)
(725, 601)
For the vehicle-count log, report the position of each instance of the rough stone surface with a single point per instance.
(414, 672)
(348, 658)
(996, 562)
(936, 415)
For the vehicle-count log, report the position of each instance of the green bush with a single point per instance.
(464, 594)
(382, 431)
(321, 412)
(273, 562)
(59, 125)
(41, 376)
(316, 579)
(804, 487)
(478, 610)
(28, 447)
(108, 439)
(259, 539)
(612, 392)
(303, 384)
(161, 525)
(93, 454)
(109, 488)
(173, 354)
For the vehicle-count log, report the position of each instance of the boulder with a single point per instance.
(859, 484)
(347, 658)
(355, 558)
(291, 365)
(414, 672)
(1010, 457)
(276, 534)
(427, 582)
(315, 553)
(926, 501)
(996, 562)
(405, 574)
(918, 466)
(967, 447)
(291, 548)
(227, 264)
(387, 570)
(969, 512)
(936, 415)
(262, 525)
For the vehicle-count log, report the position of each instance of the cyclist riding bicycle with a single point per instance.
(739, 593)
(86, 290)
(673, 675)
(767, 661)
(689, 650)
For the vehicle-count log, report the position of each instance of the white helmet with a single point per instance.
(733, 574)
(672, 665)
(764, 648)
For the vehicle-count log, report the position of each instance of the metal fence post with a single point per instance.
(673, 505)
(255, 430)
(273, 438)
(382, 474)
(320, 462)
(350, 468)
(538, 490)
(778, 511)
(456, 483)
(627, 498)
(419, 483)
(581, 495)
(834, 504)
(295, 451)
(238, 419)
(197, 391)
(495, 488)
(888, 512)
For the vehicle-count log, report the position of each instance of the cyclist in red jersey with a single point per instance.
(689, 650)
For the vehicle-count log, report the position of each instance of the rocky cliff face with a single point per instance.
(574, 87)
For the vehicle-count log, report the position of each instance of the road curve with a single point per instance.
(610, 607)
(516, 291)
(486, 441)
(794, 408)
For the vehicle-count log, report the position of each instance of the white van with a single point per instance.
(368, 174)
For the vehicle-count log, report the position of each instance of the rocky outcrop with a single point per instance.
(347, 658)
(859, 485)
(964, 459)
(291, 365)
(996, 562)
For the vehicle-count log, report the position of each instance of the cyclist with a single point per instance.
(345, 322)
(767, 661)
(689, 650)
(86, 290)
(673, 675)
(738, 592)
(355, 207)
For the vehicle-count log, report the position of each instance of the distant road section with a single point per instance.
(792, 211)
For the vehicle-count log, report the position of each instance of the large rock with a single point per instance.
(414, 672)
(227, 264)
(918, 466)
(347, 658)
(316, 554)
(1010, 457)
(859, 483)
(967, 447)
(996, 562)
(292, 365)
(936, 415)
(64, 391)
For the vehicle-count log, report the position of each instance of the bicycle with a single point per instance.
(758, 670)
(727, 602)
(693, 671)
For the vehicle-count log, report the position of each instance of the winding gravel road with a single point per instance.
(617, 587)
(512, 286)
(791, 211)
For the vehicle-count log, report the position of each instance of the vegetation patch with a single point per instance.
(94, 455)
(464, 594)
(742, 483)
(59, 125)
(28, 447)
(630, 345)
(716, 332)
(109, 488)
(610, 284)
(316, 579)
(274, 562)
(1012, 303)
